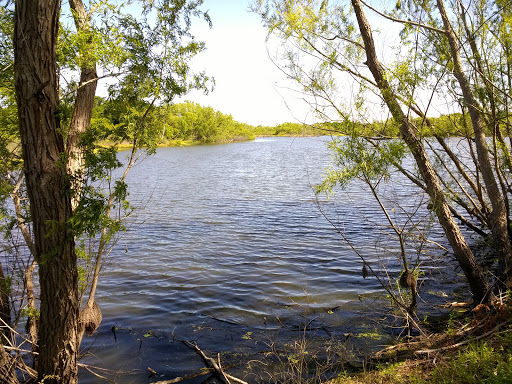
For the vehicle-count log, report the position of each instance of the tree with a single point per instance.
(190, 121)
(35, 44)
(339, 41)
(62, 162)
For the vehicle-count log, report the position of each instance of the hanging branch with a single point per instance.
(367, 266)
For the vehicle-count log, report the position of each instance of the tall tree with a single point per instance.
(499, 214)
(37, 94)
(63, 165)
(84, 99)
(469, 185)
(463, 253)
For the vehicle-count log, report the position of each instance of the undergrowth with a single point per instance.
(487, 360)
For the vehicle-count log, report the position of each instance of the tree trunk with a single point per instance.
(84, 103)
(498, 217)
(31, 326)
(32, 321)
(474, 273)
(5, 306)
(90, 315)
(36, 82)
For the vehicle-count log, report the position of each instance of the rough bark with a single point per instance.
(5, 307)
(36, 82)
(31, 326)
(474, 273)
(498, 216)
(84, 103)
(32, 322)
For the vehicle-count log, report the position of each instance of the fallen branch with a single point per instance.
(205, 371)
(211, 363)
(86, 367)
(457, 345)
(109, 372)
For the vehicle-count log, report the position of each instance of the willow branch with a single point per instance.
(409, 22)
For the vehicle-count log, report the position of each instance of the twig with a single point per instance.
(223, 374)
(457, 345)
(205, 371)
(211, 363)
(106, 371)
(5, 325)
(94, 373)
(7, 348)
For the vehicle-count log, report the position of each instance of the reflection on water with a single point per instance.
(229, 239)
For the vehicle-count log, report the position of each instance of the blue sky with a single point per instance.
(248, 85)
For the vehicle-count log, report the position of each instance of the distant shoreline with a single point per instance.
(190, 143)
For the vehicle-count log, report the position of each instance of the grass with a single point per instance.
(486, 359)
(462, 346)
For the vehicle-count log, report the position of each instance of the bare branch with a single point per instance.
(410, 22)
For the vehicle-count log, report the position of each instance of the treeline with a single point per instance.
(173, 123)
(455, 124)
(185, 122)
(288, 129)
(193, 123)
(450, 125)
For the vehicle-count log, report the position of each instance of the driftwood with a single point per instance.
(206, 371)
(464, 342)
(89, 369)
(211, 363)
(213, 367)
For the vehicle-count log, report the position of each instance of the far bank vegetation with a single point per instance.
(188, 123)
(191, 123)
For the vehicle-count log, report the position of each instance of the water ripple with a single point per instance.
(233, 234)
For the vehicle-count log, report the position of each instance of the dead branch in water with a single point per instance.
(212, 364)
(206, 371)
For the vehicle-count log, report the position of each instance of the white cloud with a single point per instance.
(248, 85)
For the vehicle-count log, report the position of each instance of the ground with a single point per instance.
(476, 348)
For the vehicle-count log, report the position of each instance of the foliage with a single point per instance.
(377, 129)
(295, 129)
(381, 95)
(447, 125)
(480, 362)
(184, 122)
(147, 59)
(261, 130)
(190, 121)
(356, 158)
(169, 122)
(292, 129)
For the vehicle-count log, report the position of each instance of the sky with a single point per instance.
(248, 85)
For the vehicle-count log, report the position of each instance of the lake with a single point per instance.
(230, 248)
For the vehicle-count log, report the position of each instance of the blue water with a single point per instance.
(230, 239)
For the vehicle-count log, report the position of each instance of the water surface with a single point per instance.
(229, 245)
